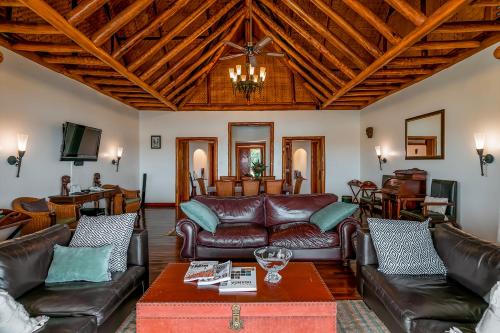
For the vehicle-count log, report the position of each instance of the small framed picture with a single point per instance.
(155, 141)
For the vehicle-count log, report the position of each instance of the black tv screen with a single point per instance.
(80, 143)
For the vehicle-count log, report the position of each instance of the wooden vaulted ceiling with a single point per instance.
(164, 54)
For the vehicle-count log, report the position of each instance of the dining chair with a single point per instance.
(224, 188)
(250, 187)
(298, 185)
(225, 178)
(246, 178)
(273, 186)
(201, 185)
(264, 178)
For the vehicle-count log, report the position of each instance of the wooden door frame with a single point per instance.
(230, 125)
(250, 145)
(290, 139)
(214, 166)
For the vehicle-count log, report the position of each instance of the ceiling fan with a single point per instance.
(250, 50)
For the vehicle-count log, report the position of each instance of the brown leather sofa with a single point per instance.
(248, 223)
(427, 304)
(81, 307)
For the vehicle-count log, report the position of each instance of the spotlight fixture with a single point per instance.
(480, 139)
(22, 141)
(119, 153)
(378, 150)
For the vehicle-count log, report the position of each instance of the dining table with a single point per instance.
(211, 190)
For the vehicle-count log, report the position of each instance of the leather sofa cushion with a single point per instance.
(25, 261)
(83, 298)
(236, 209)
(85, 324)
(429, 325)
(295, 208)
(302, 235)
(421, 297)
(234, 235)
(473, 262)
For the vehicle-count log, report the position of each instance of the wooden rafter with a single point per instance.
(470, 26)
(86, 8)
(404, 8)
(47, 47)
(28, 28)
(10, 3)
(432, 22)
(50, 15)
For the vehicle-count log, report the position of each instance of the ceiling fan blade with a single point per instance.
(274, 54)
(253, 60)
(262, 43)
(236, 46)
(231, 56)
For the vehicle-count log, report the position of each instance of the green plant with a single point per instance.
(258, 168)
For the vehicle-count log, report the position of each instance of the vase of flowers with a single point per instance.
(258, 169)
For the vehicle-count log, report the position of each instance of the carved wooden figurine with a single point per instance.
(97, 180)
(65, 181)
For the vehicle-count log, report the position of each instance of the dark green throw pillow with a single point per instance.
(330, 216)
(201, 214)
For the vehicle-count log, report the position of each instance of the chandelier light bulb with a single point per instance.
(262, 71)
(231, 72)
(255, 78)
(251, 70)
(238, 69)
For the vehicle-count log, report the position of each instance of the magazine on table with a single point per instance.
(222, 273)
(200, 270)
(242, 279)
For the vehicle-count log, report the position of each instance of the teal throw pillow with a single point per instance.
(80, 264)
(201, 214)
(328, 217)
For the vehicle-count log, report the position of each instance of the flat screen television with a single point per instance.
(80, 143)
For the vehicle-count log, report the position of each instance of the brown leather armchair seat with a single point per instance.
(428, 304)
(248, 223)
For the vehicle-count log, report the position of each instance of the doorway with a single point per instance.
(304, 156)
(196, 157)
(248, 153)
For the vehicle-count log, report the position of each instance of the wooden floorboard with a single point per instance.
(164, 249)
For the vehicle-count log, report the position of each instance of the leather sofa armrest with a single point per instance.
(345, 229)
(188, 230)
(137, 254)
(366, 254)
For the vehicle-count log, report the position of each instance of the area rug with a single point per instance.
(352, 317)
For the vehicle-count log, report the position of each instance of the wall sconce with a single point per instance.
(378, 150)
(119, 153)
(22, 141)
(480, 139)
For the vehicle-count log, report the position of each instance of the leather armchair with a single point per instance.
(126, 201)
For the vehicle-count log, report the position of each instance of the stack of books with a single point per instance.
(230, 279)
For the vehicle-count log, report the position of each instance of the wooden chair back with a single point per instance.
(298, 185)
(228, 178)
(250, 187)
(201, 185)
(246, 178)
(224, 188)
(264, 178)
(273, 186)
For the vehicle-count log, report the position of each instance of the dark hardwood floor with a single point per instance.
(164, 249)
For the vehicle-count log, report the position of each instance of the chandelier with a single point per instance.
(247, 84)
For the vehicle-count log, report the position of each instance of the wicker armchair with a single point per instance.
(126, 201)
(57, 214)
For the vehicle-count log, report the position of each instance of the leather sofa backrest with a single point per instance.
(25, 261)
(295, 208)
(236, 209)
(472, 262)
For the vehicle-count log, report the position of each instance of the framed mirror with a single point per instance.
(424, 136)
(250, 143)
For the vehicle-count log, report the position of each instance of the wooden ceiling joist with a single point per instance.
(10, 3)
(443, 13)
(404, 8)
(155, 24)
(47, 47)
(74, 60)
(95, 72)
(402, 72)
(485, 3)
(417, 61)
(84, 9)
(50, 15)
(28, 28)
(112, 82)
(445, 45)
(466, 27)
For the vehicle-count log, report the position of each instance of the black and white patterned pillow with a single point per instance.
(405, 247)
(97, 231)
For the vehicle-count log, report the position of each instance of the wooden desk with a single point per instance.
(80, 199)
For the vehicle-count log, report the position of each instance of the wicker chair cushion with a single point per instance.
(36, 206)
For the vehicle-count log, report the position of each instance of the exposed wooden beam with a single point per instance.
(74, 60)
(119, 21)
(95, 72)
(385, 81)
(374, 21)
(28, 28)
(47, 47)
(178, 48)
(470, 26)
(445, 45)
(319, 28)
(122, 89)
(417, 61)
(252, 107)
(308, 37)
(436, 19)
(374, 88)
(365, 93)
(157, 22)
(314, 93)
(86, 8)
(168, 37)
(112, 82)
(294, 46)
(126, 95)
(485, 3)
(402, 72)
(195, 51)
(404, 8)
(348, 28)
(50, 15)
(10, 3)
(138, 100)
(307, 78)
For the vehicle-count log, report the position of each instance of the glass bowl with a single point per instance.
(272, 259)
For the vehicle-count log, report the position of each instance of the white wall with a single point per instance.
(37, 101)
(340, 128)
(470, 93)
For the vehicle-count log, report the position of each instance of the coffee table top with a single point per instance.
(301, 283)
